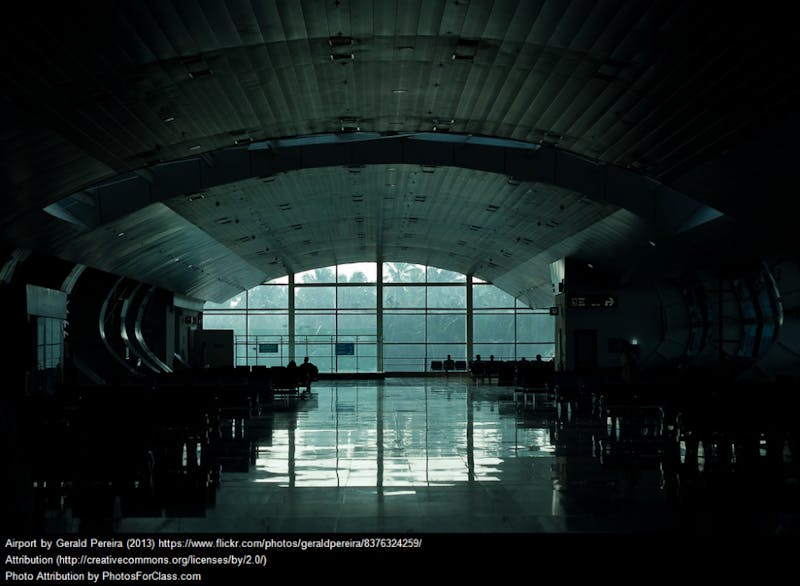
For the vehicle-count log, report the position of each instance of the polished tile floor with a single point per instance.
(446, 455)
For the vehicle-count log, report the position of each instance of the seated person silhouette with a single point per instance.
(308, 373)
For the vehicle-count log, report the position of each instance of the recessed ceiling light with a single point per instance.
(399, 91)
(121, 234)
(590, 265)
(651, 243)
(195, 147)
(168, 118)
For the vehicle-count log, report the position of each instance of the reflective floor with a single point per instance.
(446, 455)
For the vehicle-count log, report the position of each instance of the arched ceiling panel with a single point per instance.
(613, 92)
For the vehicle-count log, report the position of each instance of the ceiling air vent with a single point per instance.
(297, 226)
(466, 49)
(285, 207)
(420, 198)
(442, 125)
(340, 41)
(223, 220)
(492, 208)
(342, 58)
(349, 124)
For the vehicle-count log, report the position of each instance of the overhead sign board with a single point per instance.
(592, 301)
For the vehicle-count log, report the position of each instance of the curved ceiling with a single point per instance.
(671, 91)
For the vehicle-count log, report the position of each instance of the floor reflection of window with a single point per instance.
(422, 439)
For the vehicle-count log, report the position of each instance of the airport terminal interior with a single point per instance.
(407, 267)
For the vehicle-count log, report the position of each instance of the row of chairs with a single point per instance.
(448, 365)
(142, 449)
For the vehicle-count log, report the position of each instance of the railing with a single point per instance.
(352, 353)
(359, 353)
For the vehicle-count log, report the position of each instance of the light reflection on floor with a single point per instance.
(439, 455)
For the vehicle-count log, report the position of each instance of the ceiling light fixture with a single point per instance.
(195, 147)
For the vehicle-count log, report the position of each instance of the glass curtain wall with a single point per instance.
(368, 317)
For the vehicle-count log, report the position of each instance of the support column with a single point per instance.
(470, 337)
(379, 319)
(291, 318)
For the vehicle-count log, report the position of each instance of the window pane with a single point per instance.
(436, 275)
(357, 297)
(404, 357)
(242, 349)
(493, 327)
(268, 297)
(403, 272)
(403, 327)
(529, 351)
(403, 296)
(315, 298)
(499, 351)
(223, 321)
(261, 346)
(447, 297)
(490, 296)
(356, 363)
(450, 327)
(323, 275)
(314, 324)
(268, 324)
(357, 324)
(319, 349)
(358, 272)
(440, 352)
(236, 302)
(279, 281)
(535, 327)
(52, 355)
